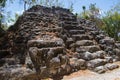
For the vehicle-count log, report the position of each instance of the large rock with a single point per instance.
(117, 52)
(99, 54)
(108, 41)
(106, 67)
(48, 59)
(86, 56)
(77, 64)
(95, 63)
(100, 69)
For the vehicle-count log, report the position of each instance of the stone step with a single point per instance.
(81, 37)
(67, 19)
(70, 22)
(90, 56)
(69, 26)
(9, 61)
(67, 15)
(54, 50)
(99, 37)
(80, 28)
(99, 54)
(107, 40)
(89, 29)
(84, 43)
(77, 64)
(46, 53)
(111, 66)
(86, 56)
(57, 29)
(95, 63)
(106, 67)
(94, 32)
(45, 43)
(80, 50)
(92, 48)
(76, 31)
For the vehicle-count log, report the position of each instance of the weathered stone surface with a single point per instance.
(117, 45)
(107, 41)
(45, 43)
(92, 48)
(49, 58)
(77, 32)
(77, 64)
(84, 43)
(82, 64)
(100, 69)
(109, 59)
(81, 37)
(69, 41)
(117, 52)
(95, 63)
(106, 67)
(98, 54)
(15, 72)
(86, 56)
(9, 61)
(99, 37)
(111, 66)
(80, 50)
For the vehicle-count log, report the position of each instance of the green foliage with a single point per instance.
(2, 14)
(92, 13)
(84, 9)
(84, 15)
(2, 3)
(71, 7)
(112, 24)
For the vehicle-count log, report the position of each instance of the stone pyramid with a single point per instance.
(52, 42)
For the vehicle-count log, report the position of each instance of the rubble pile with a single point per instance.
(51, 42)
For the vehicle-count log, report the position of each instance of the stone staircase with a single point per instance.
(84, 44)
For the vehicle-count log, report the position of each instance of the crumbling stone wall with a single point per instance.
(52, 42)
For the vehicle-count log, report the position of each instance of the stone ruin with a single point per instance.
(52, 42)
